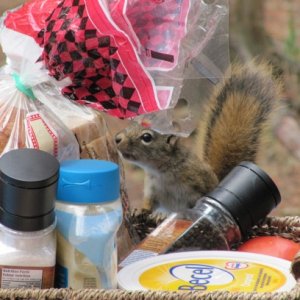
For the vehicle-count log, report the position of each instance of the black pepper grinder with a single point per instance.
(224, 216)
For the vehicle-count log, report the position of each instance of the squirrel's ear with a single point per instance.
(172, 139)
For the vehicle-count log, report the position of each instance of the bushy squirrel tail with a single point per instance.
(236, 116)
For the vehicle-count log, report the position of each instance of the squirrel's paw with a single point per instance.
(160, 214)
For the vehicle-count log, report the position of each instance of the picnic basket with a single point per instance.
(287, 227)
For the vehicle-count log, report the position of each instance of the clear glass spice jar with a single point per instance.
(224, 216)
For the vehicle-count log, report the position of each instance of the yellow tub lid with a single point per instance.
(208, 271)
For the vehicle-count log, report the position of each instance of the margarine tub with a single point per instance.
(208, 271)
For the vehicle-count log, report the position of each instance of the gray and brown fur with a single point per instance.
(237, 115)
(229, 132)
(175, 177)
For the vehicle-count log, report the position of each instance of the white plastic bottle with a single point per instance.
(89, 213)
(27, 258)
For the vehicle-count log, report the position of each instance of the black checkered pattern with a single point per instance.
(74, 48)
(157, 25)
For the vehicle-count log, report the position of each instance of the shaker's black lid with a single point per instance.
(248, 193)
(27, 224)
(28, 183)
(28, 168)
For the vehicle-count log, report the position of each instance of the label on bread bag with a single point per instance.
(26, 277)
(40, 135)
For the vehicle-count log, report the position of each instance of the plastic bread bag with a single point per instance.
(27, 123)
(24, 120)
(123, 57)
(22, 53)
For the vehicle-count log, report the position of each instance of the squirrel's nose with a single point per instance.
(119, 138)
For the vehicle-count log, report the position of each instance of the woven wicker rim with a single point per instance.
(88, 294)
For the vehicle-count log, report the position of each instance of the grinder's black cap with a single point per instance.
(248, 193)
(28, 182)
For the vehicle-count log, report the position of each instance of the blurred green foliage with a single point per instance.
(292, 49)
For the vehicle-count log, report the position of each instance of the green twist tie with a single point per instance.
(22, 88)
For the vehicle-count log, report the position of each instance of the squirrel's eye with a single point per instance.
(146, 138)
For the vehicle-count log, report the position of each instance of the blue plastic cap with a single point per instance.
(88, 181)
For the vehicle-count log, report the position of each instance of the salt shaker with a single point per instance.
(223, 217)
(27, 218)
(89, 213)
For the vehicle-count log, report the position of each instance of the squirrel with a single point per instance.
(230, 130)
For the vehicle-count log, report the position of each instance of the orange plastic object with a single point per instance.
(271, 245)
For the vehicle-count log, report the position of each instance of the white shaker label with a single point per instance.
(18, 278)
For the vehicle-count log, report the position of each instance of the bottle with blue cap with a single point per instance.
(89, 213)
